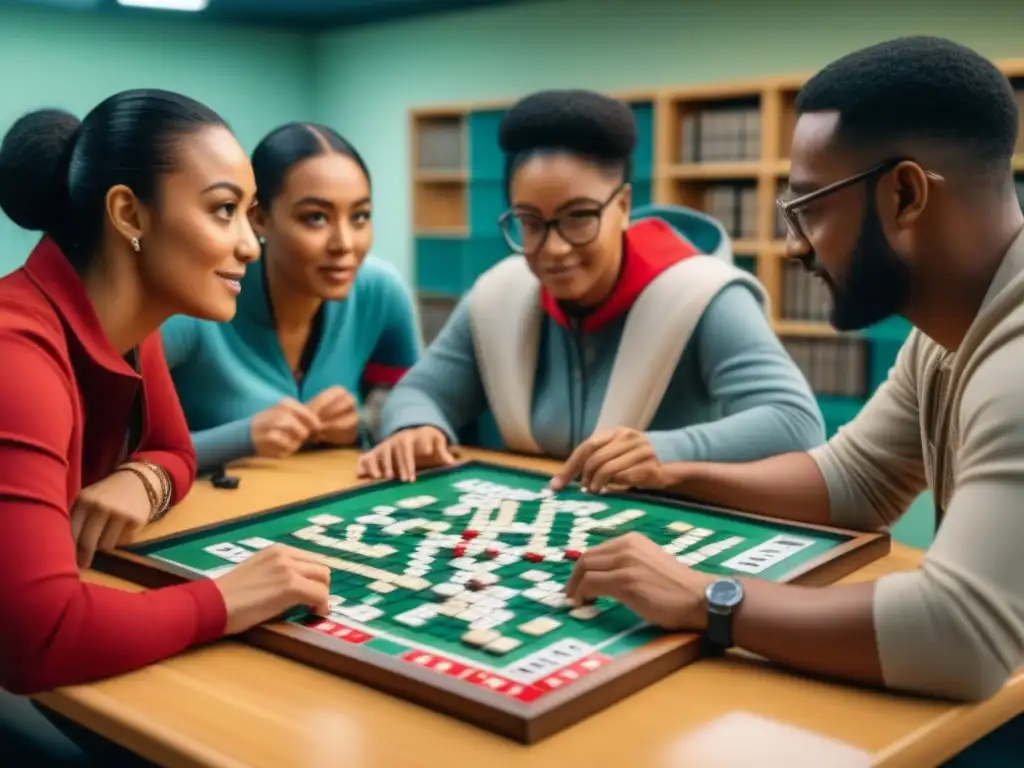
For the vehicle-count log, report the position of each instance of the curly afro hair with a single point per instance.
(583, 123)
(919, 89)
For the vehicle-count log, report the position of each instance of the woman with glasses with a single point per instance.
(608, 342)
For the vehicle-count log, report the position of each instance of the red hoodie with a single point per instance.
(65, 401)
(651, 246)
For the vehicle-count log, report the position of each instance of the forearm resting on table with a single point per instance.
(789, 486)
(828, 631)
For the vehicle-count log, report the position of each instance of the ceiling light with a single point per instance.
(167, 5)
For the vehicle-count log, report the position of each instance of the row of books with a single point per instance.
(721, 133)
(735, 206)
(714, 133)
(781, 227)
(832, 366)
(804, 296)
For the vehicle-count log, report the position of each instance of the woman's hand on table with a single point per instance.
(108, 513)
(401, 454)
(271, 582)
(618, 458)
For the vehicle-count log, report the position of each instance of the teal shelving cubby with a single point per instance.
(486, 161)
(643, 157)
(482, 253)
(746, 263)
(486, 191)
(838, 410)
(641, 193)
(440, 265)
(884, 342)
(486, 204)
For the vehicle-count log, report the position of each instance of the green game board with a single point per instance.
(391, 545)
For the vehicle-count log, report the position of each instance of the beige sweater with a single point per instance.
(953, 423)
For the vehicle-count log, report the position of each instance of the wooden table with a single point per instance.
(232, 705)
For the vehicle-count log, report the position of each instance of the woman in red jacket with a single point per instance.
(143, 206)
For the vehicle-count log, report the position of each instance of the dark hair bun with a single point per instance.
(34, 159)
(580, 121)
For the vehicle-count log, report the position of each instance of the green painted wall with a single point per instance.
(255, 79)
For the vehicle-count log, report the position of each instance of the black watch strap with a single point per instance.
(719, 631)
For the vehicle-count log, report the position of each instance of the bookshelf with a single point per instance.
(720, 148)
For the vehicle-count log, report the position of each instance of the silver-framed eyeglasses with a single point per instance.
(791, 209)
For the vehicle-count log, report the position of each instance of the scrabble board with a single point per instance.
(449, 591)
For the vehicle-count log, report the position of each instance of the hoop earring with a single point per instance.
(136, 245)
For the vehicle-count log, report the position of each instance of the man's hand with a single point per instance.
(108, 513)
(638, 573)
(339, 416)
(621, 458)
(282, 429)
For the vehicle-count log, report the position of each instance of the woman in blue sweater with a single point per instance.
(611, 341)
(321, 327)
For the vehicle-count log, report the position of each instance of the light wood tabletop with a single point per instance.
(229, 704)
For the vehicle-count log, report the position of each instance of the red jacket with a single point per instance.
(65, 400)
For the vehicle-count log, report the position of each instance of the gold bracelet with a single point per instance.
(154, 500)
(165, 487)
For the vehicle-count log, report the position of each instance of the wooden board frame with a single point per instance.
(526, 723)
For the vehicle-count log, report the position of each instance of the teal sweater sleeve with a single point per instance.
(767, 406)
(225, 442)
(443, 389)
(396, 351)
(397, 348)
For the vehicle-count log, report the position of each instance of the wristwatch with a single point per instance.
(723, 595)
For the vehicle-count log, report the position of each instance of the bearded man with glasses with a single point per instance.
(613, 341)
(902, 200)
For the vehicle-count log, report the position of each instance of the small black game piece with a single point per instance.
(221, 479)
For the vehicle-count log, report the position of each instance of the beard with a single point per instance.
(877, 281)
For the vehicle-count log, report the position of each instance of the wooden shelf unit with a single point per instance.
(722, 148)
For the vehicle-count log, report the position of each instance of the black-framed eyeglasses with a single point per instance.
(527, 232)
(791, 209)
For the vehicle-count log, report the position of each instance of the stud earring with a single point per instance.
(262, 239)
(136, 245)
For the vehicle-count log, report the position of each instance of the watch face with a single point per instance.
(725, 593)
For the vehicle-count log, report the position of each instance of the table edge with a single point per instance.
(964, 723)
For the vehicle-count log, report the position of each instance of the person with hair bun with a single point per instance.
(611, 341)
(143, 205)
(323, 329)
